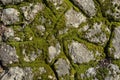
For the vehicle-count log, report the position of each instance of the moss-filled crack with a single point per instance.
(56, 75)
(106, 51)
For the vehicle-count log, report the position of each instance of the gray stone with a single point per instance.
(79, 53)
(17, 73)
(10, 16)
(91, 72)
(31, 56)
(74, 18)
(9, 33)
(28, 74)
(53, 51)
(7, 54)
(114, 5)
(96, 33)
(87, 6)
(62, 67)
(31, 10)
(14, 73)
(114, 73)
(115, 42)
(5, 2)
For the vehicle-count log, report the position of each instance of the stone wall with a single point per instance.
(59, 40)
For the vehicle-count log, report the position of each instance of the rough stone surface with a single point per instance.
(7, 54)
(74, 18)
(115, 49)
(10, 16)
(91, 72)
(5, 2)
(18, 74)
(32, 56)
(9, 33)
(54, 51)
(59, 40)
(79, 52)
(114, 72)
(96, 33)
(87, 6)
(62, 67)
(31, 10)
(111, 9)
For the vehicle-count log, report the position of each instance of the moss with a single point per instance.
(90, 47)
(44, 76)
(57, 12)
(82, 68)
(46, 18)
(54, 20)
(28, 33)
(30, 46)
(102, 73)
(33, 1)
(70, 4)
(105, 25)
(69, 76)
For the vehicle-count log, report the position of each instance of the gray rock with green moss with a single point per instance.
(9, 33)
(79, 53)
(54, 51)
(18, 73)
(115, 44)
(7, 54)
(74, 18)
(96, 33)
(114, 72)
(88, 6)
(62, 67)
(31, 10)
(5, 2)
(59, 40)
(10, 16)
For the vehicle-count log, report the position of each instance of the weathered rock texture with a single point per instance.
(59, 40)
